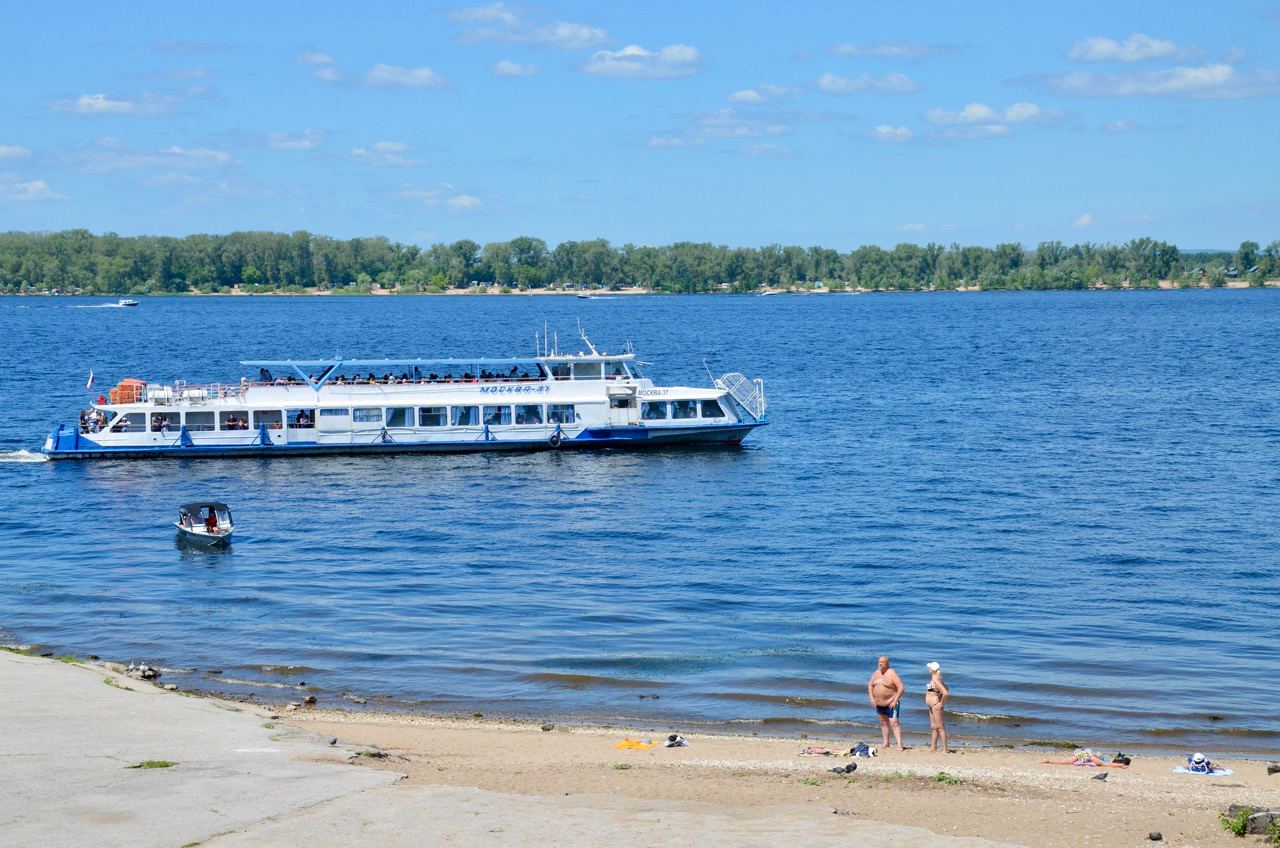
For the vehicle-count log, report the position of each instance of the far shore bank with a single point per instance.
(605, 294)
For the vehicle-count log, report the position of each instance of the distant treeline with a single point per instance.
(77, 261)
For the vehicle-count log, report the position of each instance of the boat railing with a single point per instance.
(748, 393)
(183, 393)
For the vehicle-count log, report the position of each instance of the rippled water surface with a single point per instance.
(1070, 500)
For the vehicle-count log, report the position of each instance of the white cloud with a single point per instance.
(491, 13)
(1138, 218)
(305, 140)
(892, 49)
(1135, 48)
(669, 143)
(1121, 125)
(893, 83)
(912, 228)
(1234, 54)
(201, 155)
(1210, 82)
(762, 93)
(635, 62)
(981, 113)
(510, 25)
(564, 35)
(327, 74)
(390, 153)
(385, 75)
(13, 151)
(776, 150)
(97, 104)
(747, 95)
(34, 190)
(1085, 220)
(884, 132)
(112, 155)
(314, 59)
(507, 68)
(464, 203)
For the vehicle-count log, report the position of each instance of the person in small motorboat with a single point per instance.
(211, 521)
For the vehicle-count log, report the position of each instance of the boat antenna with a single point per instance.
(710, 376)
(555, 349)
(586, 340)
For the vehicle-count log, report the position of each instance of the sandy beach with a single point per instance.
(994, 794)
(93, 756)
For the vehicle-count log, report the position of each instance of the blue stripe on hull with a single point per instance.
(591, 438)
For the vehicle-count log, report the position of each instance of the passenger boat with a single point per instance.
(124, 301)
(212, 529)
(346, 406)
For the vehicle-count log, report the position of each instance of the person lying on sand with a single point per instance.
(1085, 757)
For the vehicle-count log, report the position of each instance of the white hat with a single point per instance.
(933, 666)
(1197, 757)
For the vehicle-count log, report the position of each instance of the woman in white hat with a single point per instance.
(935, 698)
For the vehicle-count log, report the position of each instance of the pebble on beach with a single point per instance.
(548, 727)
(1155, 836)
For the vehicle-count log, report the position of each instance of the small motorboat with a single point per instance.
(205, 523)
(124, 301)
(585, 296)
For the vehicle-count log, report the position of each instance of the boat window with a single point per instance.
(684, 409)
(273, 418)
(622, 403)
(433, 416)
(561, 413)
(334, 419)
(237, 419)
(560, 370)
(712, 409)
(367, 415)
(400, 416)
(529, 413)
(617, 371)
(653, 410)
(133, 422)
(494, 415)
(300, 419)
(466, 416)
(200, 421)
(586, 370)
(163, 422)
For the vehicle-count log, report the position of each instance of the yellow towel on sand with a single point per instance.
(634, 745)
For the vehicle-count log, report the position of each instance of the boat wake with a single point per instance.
(22, 456)
(96, 306)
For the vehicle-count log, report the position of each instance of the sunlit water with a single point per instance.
(1069, 500)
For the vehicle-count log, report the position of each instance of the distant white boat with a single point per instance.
(585, 296)
(212, 530)
(124, 301)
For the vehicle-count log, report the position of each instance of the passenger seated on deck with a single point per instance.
(211, 521)
(264, 376)
(303, 420)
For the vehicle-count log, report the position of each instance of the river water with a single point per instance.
(1069, 500)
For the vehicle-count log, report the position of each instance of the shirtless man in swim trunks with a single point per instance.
(885, 691)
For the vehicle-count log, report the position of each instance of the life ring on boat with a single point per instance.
(554, 440)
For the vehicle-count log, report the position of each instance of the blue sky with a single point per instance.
(837, 124)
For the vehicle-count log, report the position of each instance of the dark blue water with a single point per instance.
(1069, 500)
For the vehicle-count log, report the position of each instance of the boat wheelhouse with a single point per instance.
(343, 406)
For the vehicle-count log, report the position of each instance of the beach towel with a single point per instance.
(635, 745)
(816, 750)
(1217, 772)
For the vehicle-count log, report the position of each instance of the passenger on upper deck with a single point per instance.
(264, 376)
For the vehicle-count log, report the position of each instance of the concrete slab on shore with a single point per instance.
(464, 817)
(67, 738)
